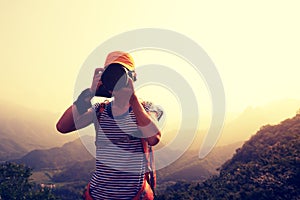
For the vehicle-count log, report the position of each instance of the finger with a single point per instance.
(130, 83)
(98, 71)
(97, 76)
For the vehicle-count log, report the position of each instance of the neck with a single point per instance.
(120, 103)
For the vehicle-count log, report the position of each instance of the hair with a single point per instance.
(114, 77)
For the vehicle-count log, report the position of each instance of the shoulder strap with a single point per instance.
(148, 150)
(99, 109)
(150, 166)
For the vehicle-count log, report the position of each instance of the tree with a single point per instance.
(14, 181)
(15, 184)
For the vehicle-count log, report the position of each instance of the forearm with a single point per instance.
(66, 123)
(144, 121)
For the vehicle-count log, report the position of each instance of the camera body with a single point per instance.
(102, 92)
(114, 77)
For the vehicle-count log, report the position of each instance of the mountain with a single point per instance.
(244, 125)
(57, 157)
(265, 167)
(252, 118)
(79, 171)
(189, 167)
(23, 130)
(72, 162)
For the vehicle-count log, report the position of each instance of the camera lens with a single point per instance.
(114, 77)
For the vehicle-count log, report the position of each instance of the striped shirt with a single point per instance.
(120, 162)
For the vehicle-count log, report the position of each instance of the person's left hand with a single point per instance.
(130, 86)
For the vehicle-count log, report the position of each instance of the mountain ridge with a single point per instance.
(23, 130)
(265, 167)
(57, 157)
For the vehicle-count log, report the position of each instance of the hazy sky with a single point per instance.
(255, 45)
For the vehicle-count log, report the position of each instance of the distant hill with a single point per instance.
(266, 167)
(244, 125)
(72, 162)
(248, 122)
(79, 171)
(190, 168)
(57, 157)
(23, 130)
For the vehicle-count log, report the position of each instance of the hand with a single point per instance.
(125, 93)
(130, 85)
(96, 79)
(130, 88)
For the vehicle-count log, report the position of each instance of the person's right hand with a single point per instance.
(96, 79)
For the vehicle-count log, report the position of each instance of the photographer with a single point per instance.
(124, 131)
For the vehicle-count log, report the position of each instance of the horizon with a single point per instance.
(42, 56)
(271, 113)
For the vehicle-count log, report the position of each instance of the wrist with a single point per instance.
(88, 93)
(83, 102)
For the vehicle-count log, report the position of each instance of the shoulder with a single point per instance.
(99, 106)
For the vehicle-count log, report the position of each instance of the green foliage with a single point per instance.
(15, 184)
(43, 193)
(266, 167)
(14, 181)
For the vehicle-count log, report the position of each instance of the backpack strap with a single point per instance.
(146, 192)
(150, 165)
(99, 109)
(86, 193)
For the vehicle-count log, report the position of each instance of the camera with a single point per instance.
(114, 77)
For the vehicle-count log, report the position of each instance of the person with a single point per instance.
(124, 126)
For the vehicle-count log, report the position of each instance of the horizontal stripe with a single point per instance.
(120, 162)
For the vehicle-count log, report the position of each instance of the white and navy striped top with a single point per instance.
(120, 162)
